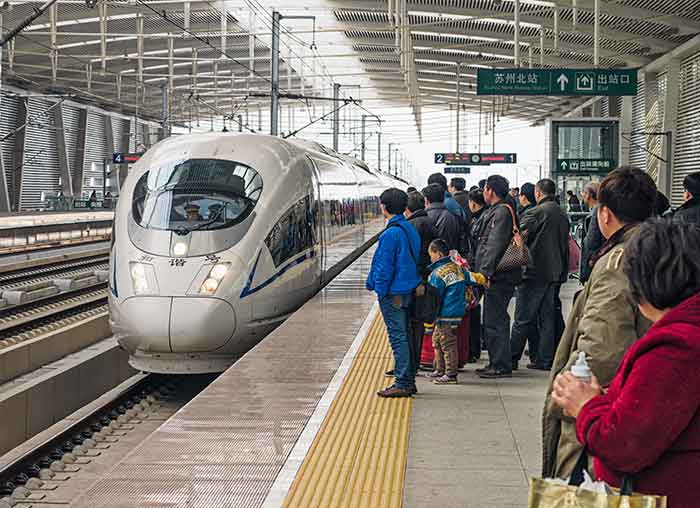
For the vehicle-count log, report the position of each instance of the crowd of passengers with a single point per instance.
(636, 318)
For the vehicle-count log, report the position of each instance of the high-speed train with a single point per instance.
(218, 237)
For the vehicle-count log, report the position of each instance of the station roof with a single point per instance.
(400, 54)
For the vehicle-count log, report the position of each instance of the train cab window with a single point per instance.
(294, 233)
(197, 194)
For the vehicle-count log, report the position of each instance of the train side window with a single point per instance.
(294, 233)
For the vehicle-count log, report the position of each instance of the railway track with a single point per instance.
(57, 269)
(26, 321)
(98, 433)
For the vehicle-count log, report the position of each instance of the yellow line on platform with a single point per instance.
(358, 458)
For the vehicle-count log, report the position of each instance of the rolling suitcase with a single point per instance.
(463, 341)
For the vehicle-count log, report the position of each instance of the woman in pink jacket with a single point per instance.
(647, 424)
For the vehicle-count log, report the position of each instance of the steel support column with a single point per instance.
(459, 101)
(18, 154)
(516, 28)
(165, 111)
(596, 33)
(336, 115)
(103, 34)
(379, 151)
(4, 194)
(670, 121)
(109, 143)
(139, 56)
(77, 173)
(62, 150)
(275, 74)
(363, 144)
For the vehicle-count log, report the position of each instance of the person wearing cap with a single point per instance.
(192, 212)
(689, 211)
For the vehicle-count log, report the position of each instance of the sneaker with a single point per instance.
(495, 374)
(394, 392)
(435, 374)
(483, 369)
(389, 373)
(445, 380)
(426, 366)
(413, 389)
(535, 366)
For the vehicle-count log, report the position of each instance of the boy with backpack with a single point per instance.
(449, 281)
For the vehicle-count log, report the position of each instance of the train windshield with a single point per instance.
(196, 195)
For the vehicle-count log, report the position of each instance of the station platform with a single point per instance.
(29, 219)
(296, 423)
(23, 233)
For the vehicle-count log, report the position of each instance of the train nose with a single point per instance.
(200, 324)
(174, 324)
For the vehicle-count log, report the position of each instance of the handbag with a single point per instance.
(516, 254)
(544, 494)
(574, 255)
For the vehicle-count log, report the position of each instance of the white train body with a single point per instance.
(219, 237)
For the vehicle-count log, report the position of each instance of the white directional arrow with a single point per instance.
(564, 165)
(562, 80)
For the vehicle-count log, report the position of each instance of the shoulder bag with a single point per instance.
(516, 255)
(426, 299)
(545, 494)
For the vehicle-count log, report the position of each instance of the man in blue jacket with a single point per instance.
(394, 276)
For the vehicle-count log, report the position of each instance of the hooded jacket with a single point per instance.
(451, 281)
(604, 322)
(394, 270)
(648, 423)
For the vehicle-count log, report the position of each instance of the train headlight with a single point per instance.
(216, 274)
(139, 277)
(219, 270)
(179, 249)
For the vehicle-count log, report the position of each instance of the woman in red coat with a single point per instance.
(647, 424)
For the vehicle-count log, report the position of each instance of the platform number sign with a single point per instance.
(125, 158)
(476, 159)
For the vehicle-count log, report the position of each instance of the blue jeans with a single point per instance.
(397, 324)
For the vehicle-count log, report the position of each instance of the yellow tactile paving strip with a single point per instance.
(358, 458)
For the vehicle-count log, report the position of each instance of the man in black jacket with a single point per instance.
(448, 225)
(546, 232)
(418, 216)
(495, 234)
(592, 239)
(457, 190)
(689, 211)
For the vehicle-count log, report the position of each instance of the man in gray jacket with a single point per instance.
(546, 232)
(495, 232)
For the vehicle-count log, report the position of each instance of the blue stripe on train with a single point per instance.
(247, 290)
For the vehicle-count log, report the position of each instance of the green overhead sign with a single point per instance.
(520, 81)
(585, 165)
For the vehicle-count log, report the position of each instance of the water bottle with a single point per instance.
(580, 369)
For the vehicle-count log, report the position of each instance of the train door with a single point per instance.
(317, 211)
